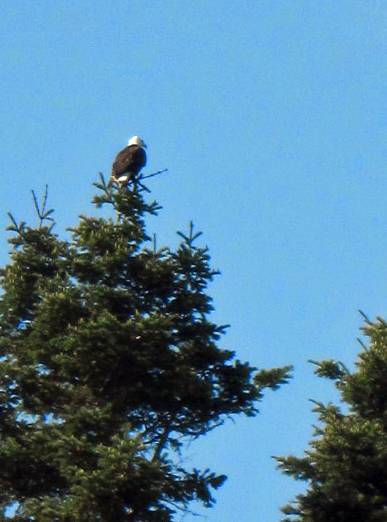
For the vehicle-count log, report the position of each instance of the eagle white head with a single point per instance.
(137, 141)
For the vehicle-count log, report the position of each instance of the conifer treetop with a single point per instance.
(109, 364)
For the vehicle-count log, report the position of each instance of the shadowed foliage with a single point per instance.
(345, 465)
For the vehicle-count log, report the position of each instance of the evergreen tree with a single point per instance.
(345, 466)
(108, 364)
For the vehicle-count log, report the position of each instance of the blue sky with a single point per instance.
(271, 118)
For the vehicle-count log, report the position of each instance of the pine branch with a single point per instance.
(42, 213)
(163, 439)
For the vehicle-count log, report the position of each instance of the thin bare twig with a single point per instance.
(154, 174)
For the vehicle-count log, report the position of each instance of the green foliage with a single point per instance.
(108, 365)
(345, 466)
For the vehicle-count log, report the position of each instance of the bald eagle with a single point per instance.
(129, 161)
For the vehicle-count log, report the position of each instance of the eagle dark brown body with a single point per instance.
(129, 161)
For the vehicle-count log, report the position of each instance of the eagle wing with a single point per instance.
(129, 160)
